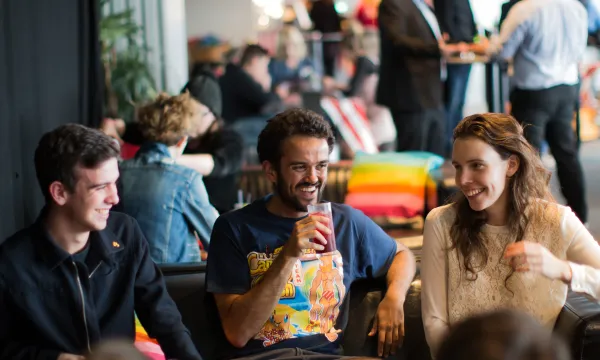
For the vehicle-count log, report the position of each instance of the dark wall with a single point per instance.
(49, 75)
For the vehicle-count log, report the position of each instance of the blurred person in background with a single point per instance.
(215, 153)
(457, 22)
(326, 20)
(291, 67)
(412, 71)
(169, 200)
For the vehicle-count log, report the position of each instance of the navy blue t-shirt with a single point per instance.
(245, 242)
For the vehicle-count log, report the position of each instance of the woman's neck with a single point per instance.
(497, 214)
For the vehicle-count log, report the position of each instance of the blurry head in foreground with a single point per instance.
(502, 335)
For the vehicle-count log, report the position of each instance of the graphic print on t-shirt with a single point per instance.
(310, 301)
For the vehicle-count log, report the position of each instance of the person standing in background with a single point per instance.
(327, 20)
(457, 23)
(412, 72)
(546, 40)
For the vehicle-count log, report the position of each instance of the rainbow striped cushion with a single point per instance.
(145, 344)
(393, 186)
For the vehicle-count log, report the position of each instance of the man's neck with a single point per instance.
(63, 232)
(277, 207)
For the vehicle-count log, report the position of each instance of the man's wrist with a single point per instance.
(396, 292)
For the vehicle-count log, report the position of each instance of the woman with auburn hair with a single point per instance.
(503, 242)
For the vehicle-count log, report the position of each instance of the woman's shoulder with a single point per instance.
(444, 215)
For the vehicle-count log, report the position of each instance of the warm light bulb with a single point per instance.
(263, 21)
(274, 10)
(341, 7)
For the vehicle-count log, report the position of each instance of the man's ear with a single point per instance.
(270, 171)
(513, 165)
(59, 193)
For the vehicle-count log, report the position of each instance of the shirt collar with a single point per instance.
(103, 245)
(154, 149)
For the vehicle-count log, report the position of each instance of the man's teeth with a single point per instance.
(103, 211)
(308, 189)
(473, 192)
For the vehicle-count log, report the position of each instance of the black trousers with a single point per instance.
(421, 131)
(548, 114)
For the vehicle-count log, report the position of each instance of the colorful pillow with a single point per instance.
(148, 346)
(392, 187)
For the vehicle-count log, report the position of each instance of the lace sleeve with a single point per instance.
(583, 255)
(434, 276)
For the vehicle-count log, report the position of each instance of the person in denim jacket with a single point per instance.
(168, 200)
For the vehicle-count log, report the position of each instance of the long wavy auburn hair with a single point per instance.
(525, 189)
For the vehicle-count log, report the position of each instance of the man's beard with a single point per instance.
(292, 201)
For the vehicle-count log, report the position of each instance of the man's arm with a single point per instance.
(242, 316)
(512, 34)
(389, 321)
(202, 163)
(401, 272)
(225, 152)
(379, 254)
(445, 11)
(155, 308)
(394, 20)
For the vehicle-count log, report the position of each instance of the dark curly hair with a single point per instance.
(526, 187)
(502, 334)
(62, 149)
(287, 124)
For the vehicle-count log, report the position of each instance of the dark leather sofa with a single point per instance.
(579, 321)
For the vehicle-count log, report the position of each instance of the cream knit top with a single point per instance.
(449, 296)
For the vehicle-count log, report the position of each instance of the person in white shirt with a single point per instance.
(503, 242)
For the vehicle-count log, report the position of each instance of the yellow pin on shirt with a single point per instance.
(116, 244)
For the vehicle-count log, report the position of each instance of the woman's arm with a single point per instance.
(434, 279)
(583, 255)
(202, 163)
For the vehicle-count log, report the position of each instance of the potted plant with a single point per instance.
(127, 78)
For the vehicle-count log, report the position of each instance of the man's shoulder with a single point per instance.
(122, 227)
(156, 171)
(347, 212)
(243, 215)
(17, 245)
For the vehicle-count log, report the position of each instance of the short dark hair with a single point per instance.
(287, 124)
(59, 151)
(251, 52)
(502, 334)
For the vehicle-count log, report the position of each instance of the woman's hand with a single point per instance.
(526, 256)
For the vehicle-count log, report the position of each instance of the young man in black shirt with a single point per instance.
(79, 273)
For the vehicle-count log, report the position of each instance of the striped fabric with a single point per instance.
(148, 346)
(350, 119)
(393, 187)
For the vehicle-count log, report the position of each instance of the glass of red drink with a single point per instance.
(324, 209)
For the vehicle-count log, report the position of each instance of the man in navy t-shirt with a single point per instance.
(278, 295)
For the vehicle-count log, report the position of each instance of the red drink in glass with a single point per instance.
(324, 209)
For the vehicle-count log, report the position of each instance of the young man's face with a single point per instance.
(95, 193)
(203, 119)
(302, 172)
(259, 66)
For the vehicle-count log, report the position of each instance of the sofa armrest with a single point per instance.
(579, 324)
